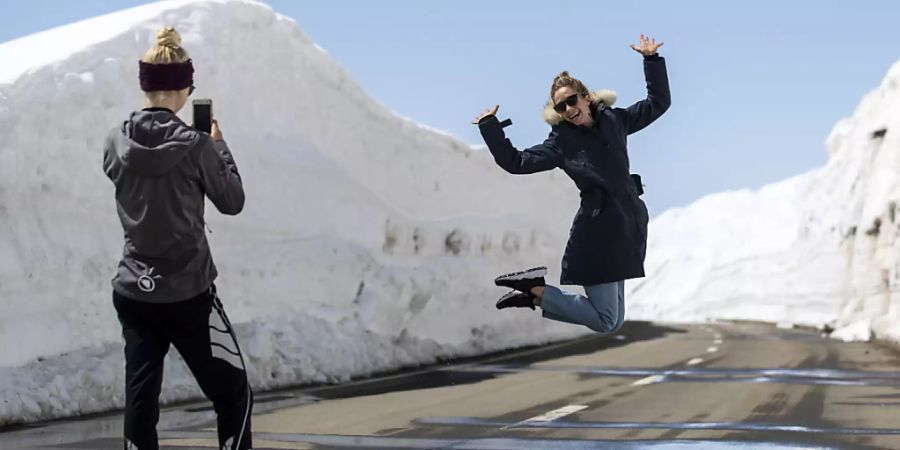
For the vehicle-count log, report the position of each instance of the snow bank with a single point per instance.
(368, 242)
(817, 249)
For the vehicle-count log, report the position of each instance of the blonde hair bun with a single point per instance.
(168, 48)
(565, 80)
(168, 37)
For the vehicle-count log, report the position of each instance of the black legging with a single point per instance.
(202, 334)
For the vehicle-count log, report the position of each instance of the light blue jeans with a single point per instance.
(602, 310)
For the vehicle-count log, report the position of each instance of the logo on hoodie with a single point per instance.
(146, 284)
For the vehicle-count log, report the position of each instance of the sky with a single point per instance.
(756, 86)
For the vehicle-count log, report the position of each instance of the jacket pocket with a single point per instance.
(594, 201)
(642, 217)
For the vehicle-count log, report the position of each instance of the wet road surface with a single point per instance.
(719, 386)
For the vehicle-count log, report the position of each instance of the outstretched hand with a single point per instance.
(486, 113)
(647, 46)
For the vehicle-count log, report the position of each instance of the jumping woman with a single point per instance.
(608, 239)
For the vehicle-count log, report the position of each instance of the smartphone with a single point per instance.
(203, 114)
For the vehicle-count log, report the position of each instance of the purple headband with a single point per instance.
(166, 77)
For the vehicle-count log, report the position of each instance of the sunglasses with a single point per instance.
(191, 90)
(571, 100)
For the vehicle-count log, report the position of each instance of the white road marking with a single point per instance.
(712, 349)
(649, 380)
(695, 361)
(556, 414)
(549, 416)
(718, 336)
(717, 342)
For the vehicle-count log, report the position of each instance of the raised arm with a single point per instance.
(219, 175)
(644, 112)
(534, 159)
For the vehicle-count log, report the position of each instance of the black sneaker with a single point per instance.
(515, 299)
(523, 281)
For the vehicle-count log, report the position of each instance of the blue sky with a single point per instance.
(756, 86)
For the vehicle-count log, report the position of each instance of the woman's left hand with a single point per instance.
(647, 46)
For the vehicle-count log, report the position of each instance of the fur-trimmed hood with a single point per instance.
(603, 98)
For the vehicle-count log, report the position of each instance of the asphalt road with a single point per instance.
(721, 386)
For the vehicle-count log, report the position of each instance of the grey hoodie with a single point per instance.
(162, 168)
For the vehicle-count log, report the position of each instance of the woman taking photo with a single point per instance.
(163, 290)
(608, 239)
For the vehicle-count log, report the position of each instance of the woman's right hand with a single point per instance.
(215, 133)
(486, 113)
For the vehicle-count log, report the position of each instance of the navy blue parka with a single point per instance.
(608, 238)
